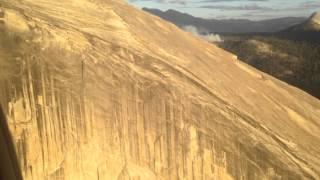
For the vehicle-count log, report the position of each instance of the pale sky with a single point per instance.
(243, 9)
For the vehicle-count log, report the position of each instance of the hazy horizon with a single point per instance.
(235, 9)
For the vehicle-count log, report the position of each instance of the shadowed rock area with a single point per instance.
(101, 90)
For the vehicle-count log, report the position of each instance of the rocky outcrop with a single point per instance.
(100, 90)
(316, 17)
(311, 25)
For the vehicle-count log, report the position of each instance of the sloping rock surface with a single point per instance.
(100, 90)
(310, 25)
(316, 17)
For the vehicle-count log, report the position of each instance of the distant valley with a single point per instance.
(291, 55)
(295, 62)
(227, 25)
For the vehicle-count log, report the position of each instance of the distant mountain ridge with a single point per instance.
(229, 25)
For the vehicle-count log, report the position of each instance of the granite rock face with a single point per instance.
(314, 21)
(94, 90)
(316, 17)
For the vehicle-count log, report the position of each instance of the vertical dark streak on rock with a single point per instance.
(31, 90)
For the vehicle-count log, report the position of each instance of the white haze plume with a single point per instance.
(208, 36)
